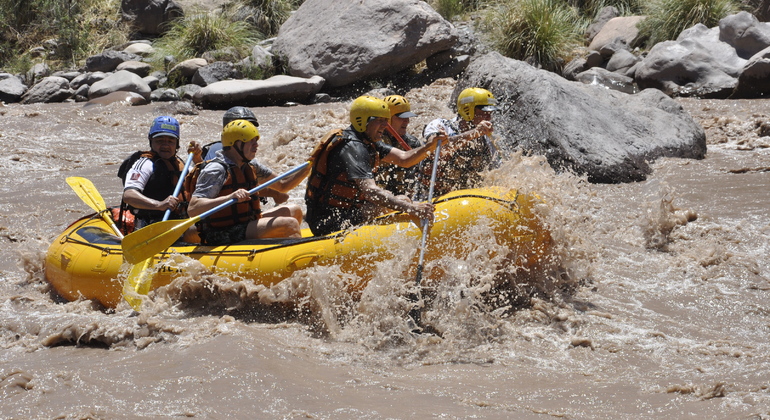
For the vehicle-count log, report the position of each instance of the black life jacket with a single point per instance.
(165, 175)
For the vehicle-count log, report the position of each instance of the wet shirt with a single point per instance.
(213, 176)
(462, 169)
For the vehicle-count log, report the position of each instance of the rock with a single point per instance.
(137, 67)
(697, 63)
(622, 61)
(215, 72)
(623, 28)
(604, 16)
(120, 96)
(745, 33)
(123, 81)
(37, 73)
(754, 81)
(184, 71)
(69, 75)
(109, 60)
(607, 135)
(346, 42)
(87, 79)
(50, 89)
(150, 17)
(140, 48)
(598, 76)
(187, 92)
(274, 91)
(164, 95)
(11, 88)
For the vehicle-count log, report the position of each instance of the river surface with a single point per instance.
(667, 315)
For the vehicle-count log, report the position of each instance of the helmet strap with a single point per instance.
(240, 150)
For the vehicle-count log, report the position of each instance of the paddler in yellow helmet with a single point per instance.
(469, 151)
(341, 191)
(230, 176)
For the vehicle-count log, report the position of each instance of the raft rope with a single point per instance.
(116, 249)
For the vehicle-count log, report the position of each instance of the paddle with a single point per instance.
(87, 192)
(398, 138)
(152, 239)
(139, 279)
(415, 312)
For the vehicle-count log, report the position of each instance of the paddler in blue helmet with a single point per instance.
(149, 177)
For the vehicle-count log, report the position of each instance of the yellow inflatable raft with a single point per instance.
(85, 260)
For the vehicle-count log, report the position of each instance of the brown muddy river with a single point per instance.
(670, 319)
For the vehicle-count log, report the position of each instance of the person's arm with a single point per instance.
(200, 205)
(384, 198)
(458, 141)
(412, 157)
(136, 199)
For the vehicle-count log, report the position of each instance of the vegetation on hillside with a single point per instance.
(546, 33)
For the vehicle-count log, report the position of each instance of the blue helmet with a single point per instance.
(164, 126)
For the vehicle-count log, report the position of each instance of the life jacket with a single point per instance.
(460, 170)
(329, 190)
(397, 179)
(237, 177)
(165, 175)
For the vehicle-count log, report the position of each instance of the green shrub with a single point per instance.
(199, 32)
(78, 28)
(542, 32)
(666, 19)
(266, 16)
(449, 9)
(590, 8)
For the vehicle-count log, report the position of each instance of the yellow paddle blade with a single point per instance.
(90, 195)
(87, 192)
(137, 284)
(150, 240)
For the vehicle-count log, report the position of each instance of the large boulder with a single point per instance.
(276, 90)
(50, 89)
(349, 41)
(698, 63)
(11, 88)
(620, 28)
(754, 81)
(607, 135)
(745, 33)
(121, 81)
(150, 17)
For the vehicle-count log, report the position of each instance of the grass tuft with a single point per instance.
(666, 19)
(541, 32)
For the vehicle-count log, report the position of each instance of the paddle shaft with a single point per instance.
(397, 136)
(415, 312)
(179, 183)
(254, 190)
(421, 260)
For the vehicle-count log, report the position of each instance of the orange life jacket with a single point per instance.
(338, 191)
(237, 177)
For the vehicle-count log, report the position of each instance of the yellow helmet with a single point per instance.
(365, 107)
(399, 106)
(470, 98)
(238, 130)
